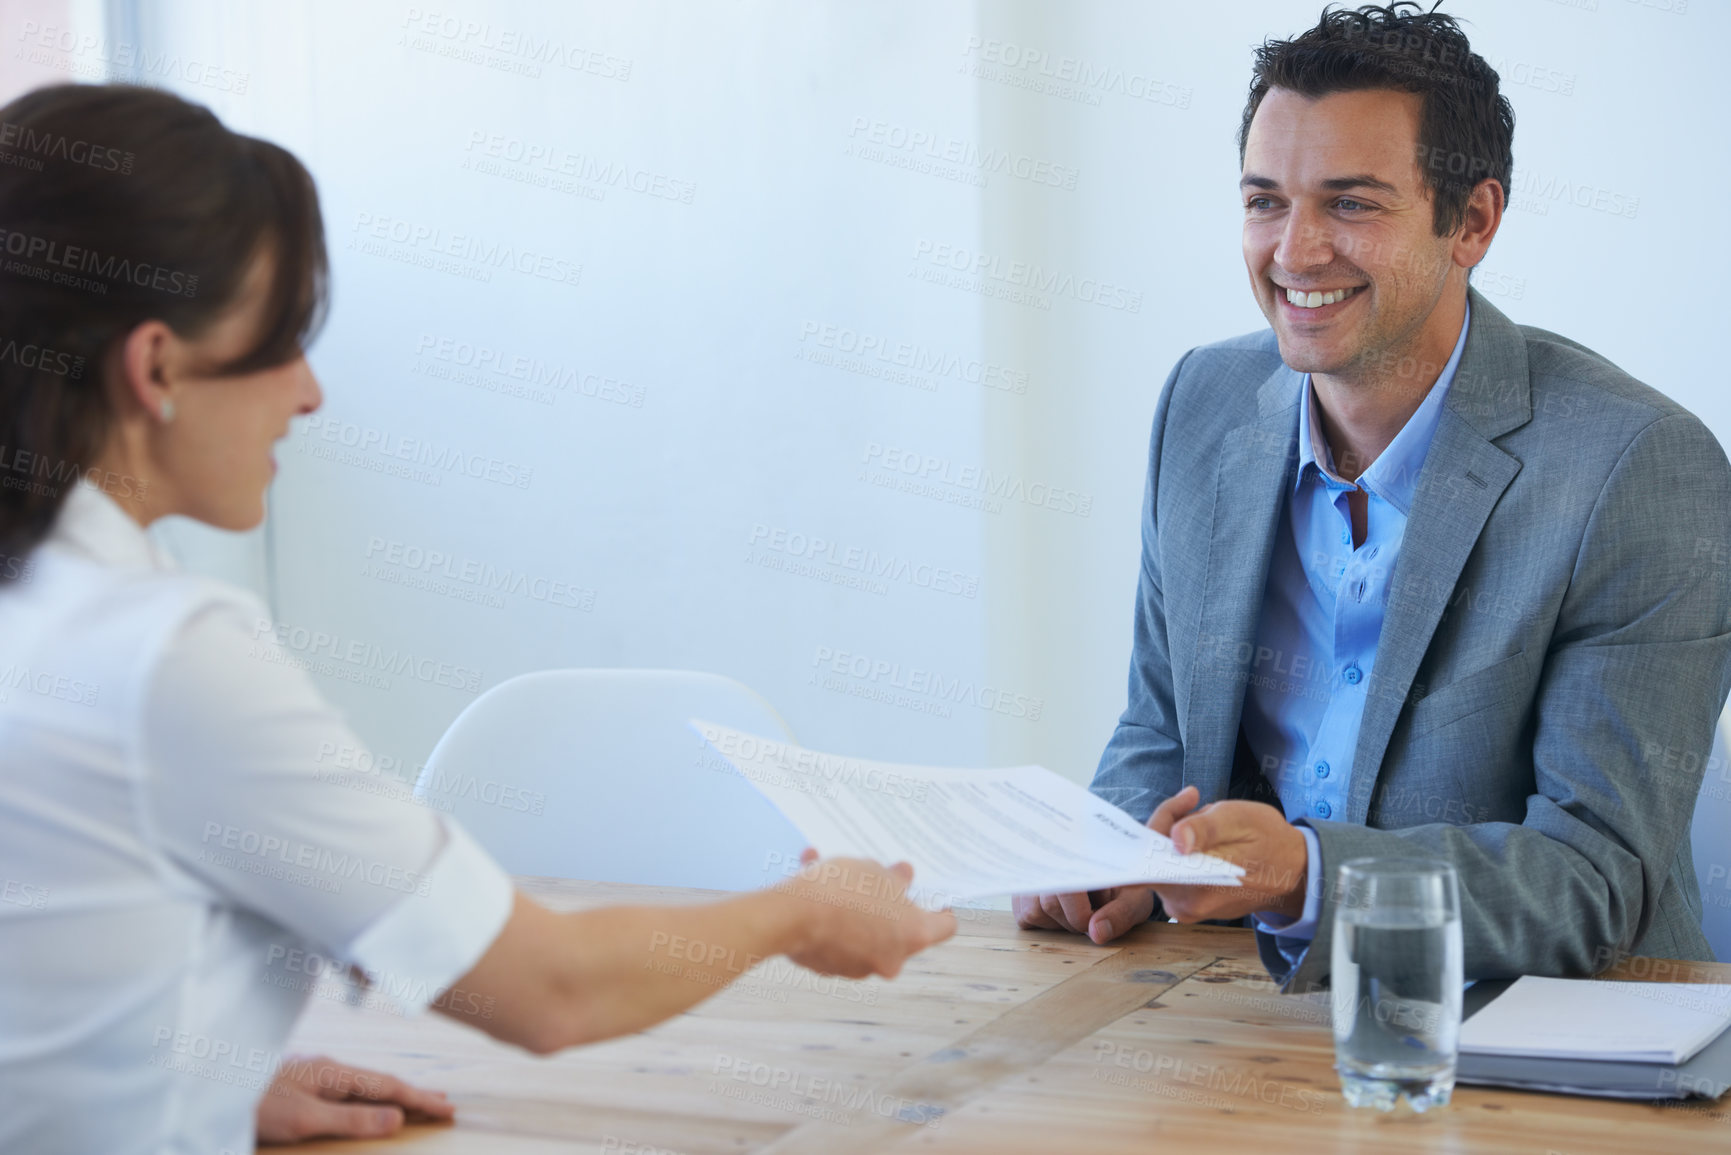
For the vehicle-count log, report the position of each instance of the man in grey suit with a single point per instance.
(1416, 581)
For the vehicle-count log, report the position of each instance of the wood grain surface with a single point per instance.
(1170, 1040)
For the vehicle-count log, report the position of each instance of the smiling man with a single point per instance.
(1416, 580)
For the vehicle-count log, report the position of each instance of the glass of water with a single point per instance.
(1397, 982)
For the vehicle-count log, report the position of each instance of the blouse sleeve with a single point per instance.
(257, 790)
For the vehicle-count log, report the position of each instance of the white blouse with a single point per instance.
(177, 847)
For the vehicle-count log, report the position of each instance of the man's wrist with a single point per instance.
(1303, 923)
(1289, 885)
(1295, 875)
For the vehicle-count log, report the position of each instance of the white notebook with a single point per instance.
(1549, 1018)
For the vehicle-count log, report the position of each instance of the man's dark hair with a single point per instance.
(1466, 127)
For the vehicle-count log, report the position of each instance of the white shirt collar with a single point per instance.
(93, 524)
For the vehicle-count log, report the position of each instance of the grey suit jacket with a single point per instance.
(1555, 648)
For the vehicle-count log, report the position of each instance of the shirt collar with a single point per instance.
(1394, 474)
(93, 524)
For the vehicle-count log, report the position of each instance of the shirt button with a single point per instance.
(1374, 550)
(1323, 809)
(1346, 537)
(1322, 769)
(1353, 675)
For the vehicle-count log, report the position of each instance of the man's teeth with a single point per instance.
(1317, 300)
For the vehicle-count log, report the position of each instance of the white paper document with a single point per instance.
(968, 834)
(1551, 1018)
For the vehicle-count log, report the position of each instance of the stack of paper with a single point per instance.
(1548, 1018)
(967, 833)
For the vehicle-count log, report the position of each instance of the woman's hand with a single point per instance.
(317, 1097)
(554, 980)
(852, 917)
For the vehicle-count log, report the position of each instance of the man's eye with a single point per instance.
(1349, 204)
(1257, 203)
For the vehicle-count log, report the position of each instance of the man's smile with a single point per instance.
(1315, 304)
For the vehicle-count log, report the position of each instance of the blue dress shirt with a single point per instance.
(1321, 618)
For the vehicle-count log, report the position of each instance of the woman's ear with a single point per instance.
(146, 359)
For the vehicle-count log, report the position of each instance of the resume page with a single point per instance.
(968, 834)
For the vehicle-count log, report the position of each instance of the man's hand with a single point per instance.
(1119, 909)
(1253, 835)
(1256, 837)
(854, 919)
(318, 1097)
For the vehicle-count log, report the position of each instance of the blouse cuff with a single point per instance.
(436, 935)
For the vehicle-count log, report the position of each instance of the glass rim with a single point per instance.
(1380, 866)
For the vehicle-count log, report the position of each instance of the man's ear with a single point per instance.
(146, 357)
(1484, 216)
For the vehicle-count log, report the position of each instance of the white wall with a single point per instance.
(1157, 204)
(705, 313)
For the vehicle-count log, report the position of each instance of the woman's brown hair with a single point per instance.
(120, 205)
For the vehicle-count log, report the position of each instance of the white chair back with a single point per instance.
(1710, 838)
(595, 774)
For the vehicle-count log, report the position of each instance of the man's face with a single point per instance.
(1334, 202)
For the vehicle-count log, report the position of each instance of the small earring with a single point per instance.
(167, 411)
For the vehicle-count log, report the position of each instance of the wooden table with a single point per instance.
(1000, 1040)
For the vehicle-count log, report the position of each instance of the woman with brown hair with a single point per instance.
(168, 838)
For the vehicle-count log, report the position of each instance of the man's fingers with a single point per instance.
(1054, 913)
(1053, 905)
(1069, 912)
(1181, 902)
(1203, 830)
(808, 856)
(1078, 908)
(1030, 916)
(1130, 908)
(1174, 808)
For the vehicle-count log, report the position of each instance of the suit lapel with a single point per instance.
(1463, 477)
(1256, 470)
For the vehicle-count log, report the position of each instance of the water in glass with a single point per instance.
(1397, 983)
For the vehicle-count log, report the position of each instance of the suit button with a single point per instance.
(1322, 769)
(1323, 809)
